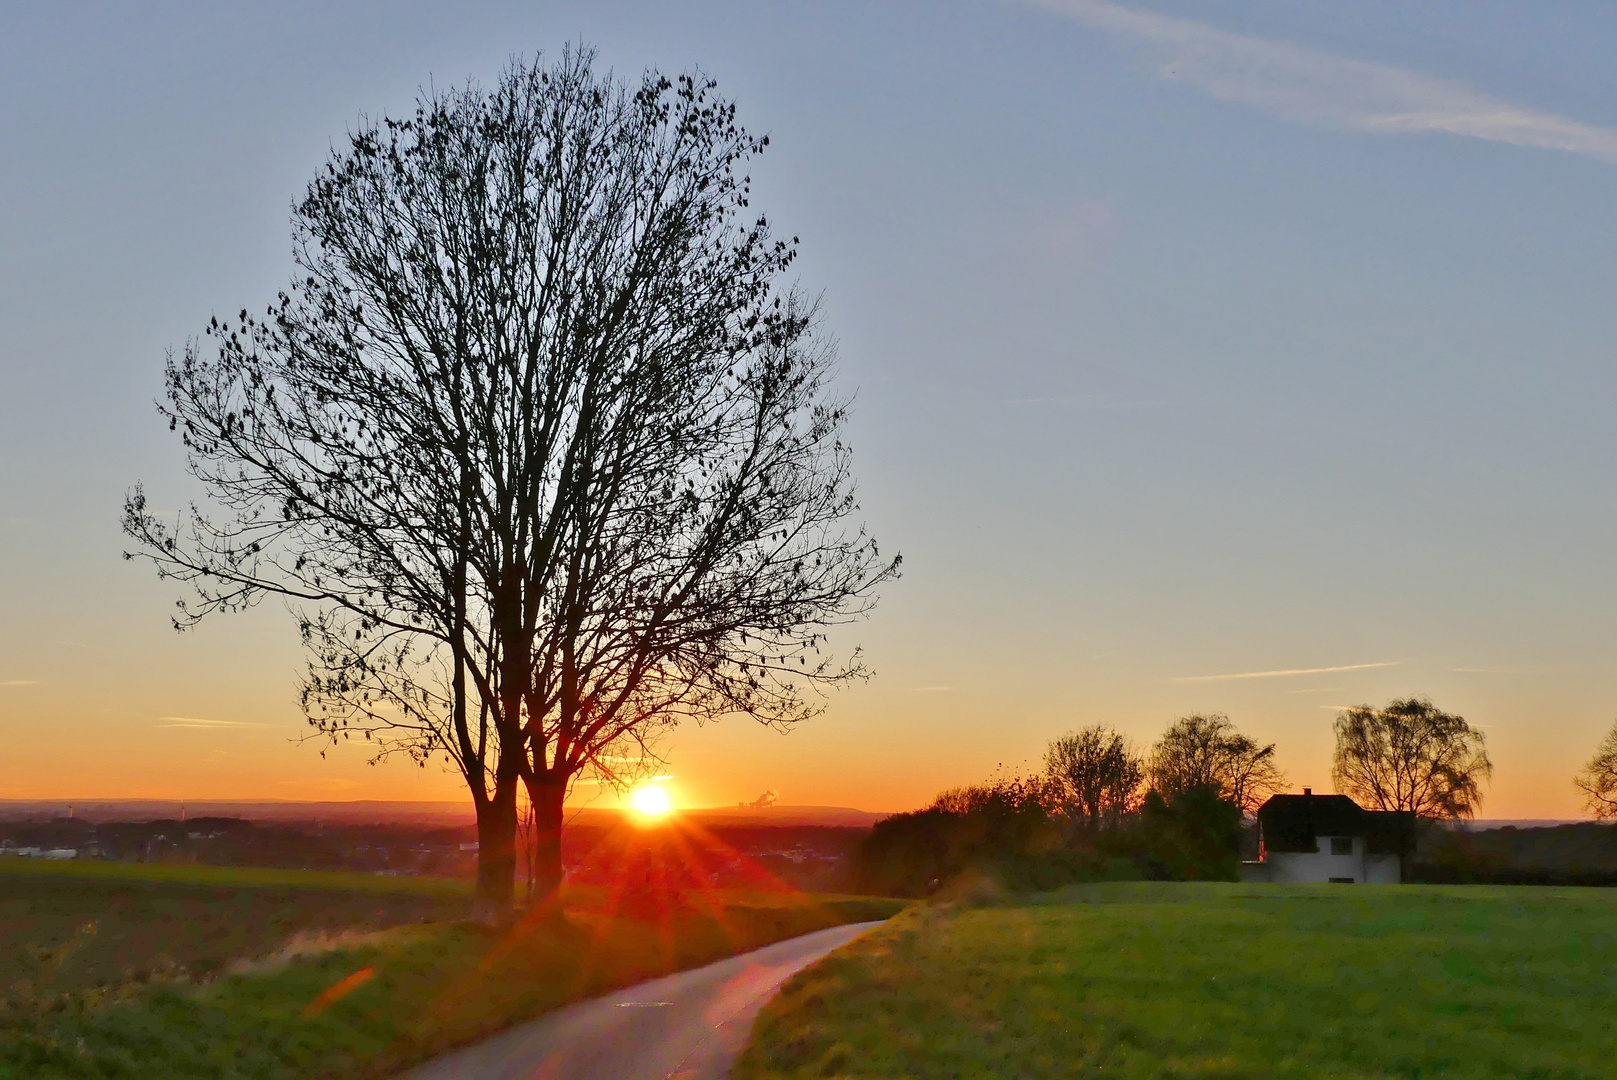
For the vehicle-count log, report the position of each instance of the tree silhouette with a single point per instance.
(1205, 750)
(1411, 756)
(537, 443)
(1598, 780)
(1093, 776)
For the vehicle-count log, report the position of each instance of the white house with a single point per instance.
(1329, 838)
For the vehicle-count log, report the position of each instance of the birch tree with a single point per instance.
(1411, 756)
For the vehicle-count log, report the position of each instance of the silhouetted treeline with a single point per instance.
(1100, 809)
(225, 841)
(1578, 854)
(1015, 830)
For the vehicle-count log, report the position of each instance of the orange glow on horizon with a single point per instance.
(878, 750)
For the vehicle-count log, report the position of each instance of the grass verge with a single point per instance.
(300, 981)
(1203, 980)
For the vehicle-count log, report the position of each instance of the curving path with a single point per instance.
(687, 1026)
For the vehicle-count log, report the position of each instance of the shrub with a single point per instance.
(1194, 836)
(1003, 828)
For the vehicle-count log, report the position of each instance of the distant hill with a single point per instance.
(373, 811)
(1578, 853)
(1582, 848)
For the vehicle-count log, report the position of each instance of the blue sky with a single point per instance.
(1190, 340)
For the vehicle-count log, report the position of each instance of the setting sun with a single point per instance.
(651, 801)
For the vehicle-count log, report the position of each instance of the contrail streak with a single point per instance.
(1320, 89)
(1286, 671)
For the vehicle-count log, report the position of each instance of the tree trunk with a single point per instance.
(547, 796)
(496, 855)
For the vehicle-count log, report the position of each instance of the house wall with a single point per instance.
(1383, 870)
(1297, 867)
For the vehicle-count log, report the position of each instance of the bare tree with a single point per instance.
(1094, 776)
(705, 564)
(1598, 780)
(1411, 756)
(536, 441)
(1205, 749)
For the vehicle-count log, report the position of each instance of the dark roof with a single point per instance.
(1294, 823)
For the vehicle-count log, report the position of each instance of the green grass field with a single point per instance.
(114, 971)
(1207, 980)
(72, 926)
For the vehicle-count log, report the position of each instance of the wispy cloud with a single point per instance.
(20, 682)
(1321, 89)
(199, 724)
(1286, 671)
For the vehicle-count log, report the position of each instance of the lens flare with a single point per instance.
(651, 801)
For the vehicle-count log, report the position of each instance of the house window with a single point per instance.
(1341, 845)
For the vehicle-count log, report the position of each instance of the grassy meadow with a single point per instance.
(73, 926)
(1213, 980)
(118, 970)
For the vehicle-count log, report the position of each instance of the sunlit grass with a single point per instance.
(68, 927)
(169, 994)
(1160, 980)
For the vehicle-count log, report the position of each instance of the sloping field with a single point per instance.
(1203, 980)
(138, 971)
(72, 926)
